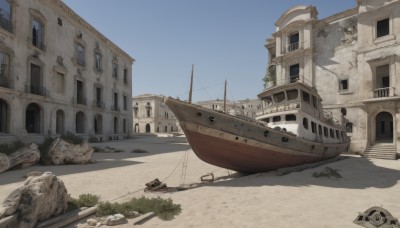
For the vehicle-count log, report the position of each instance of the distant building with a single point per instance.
(353, 59)
(152, 115)
(247, 108)
(59, 74)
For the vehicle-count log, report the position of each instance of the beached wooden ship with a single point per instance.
(291, 129)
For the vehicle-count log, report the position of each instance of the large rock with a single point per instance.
(63, 152)
(23, 157)
(40, 198)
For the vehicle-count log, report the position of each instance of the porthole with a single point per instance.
(199, 114)
(237, 138)
(284, 139)
(211, 119)
(312, 147)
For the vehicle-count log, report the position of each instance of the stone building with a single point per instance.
(152, 115)
(352, 58)
(58, 74)
(246, 108)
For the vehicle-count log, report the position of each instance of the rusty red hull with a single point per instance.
(242, 157)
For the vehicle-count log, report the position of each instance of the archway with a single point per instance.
(3, 117)
(384, 128)
(148, 128)
(136, 127)
(80, 123)
(98, 124)
(32, 118)
(60, 117)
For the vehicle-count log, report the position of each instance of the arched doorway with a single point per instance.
(60, 117)
(384, 128)
(98, 124)
(115, 125)
(3, 117)
(32, 118)
(148, 128)
(80, 123)
(136, 127)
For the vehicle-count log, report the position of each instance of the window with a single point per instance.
(80, 55)
(126, 76)
(337, 134)
(125, 104)
(294, 73)
(98, 101)
(37, 34)
(331, 133)
(97, 61)
(124, 126)
(116, 101)
(115, 70)
(349, 127)
(35, 86)
(382, 28)
(5, 15)
(276, 119)
(4, 70)
(319, 130)
(148, 112)
(343, 84)
(293, 42)
(306, 96)
(115, 125)
(79, 92)
(382, 76)
(292, 94)
(59, 83)
(305, 123)
(290, 117)
(313, 127)
(279, 97)
(59, 21)
(326, 132)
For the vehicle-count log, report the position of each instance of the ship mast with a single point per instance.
(225, 97)
(191, 85)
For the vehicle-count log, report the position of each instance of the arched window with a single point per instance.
(33, 120)
(148, 129)
(115, 125)
(80, 123)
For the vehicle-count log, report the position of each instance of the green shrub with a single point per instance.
(44, 150)
(163, 208)
(85, 200)
(11, 148)
(71, 137)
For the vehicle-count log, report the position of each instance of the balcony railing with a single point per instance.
(293, 46)
(4, 82)
(6, 24)
(38, 90)
(294, 78)
(384, 92)
(79, 100)
(98, 104)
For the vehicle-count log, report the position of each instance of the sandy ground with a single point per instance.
(266, 200)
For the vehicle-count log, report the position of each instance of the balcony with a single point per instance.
(38, 90)
(384, 92)
(4, 82)
(115, 108)
(79, 100)
(98, 104)
(293, 47)
(5, 23)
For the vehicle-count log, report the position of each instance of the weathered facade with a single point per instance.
(151, 115)
(246, 108)
(352, 58)
(58, 74)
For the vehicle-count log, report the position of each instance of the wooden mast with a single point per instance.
(225, 97)
(191, 85)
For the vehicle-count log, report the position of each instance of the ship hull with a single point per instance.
(232, 143)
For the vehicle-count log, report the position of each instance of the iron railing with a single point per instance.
(98, 104)
(5, 23)
(293, 46)
(384, 92)
(4, 82)
(38, 90)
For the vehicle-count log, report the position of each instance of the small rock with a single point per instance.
(33, 174)
(113, 220)
(91, 222)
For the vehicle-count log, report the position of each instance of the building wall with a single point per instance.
(344, 49)
(151, 115)
(55, 53)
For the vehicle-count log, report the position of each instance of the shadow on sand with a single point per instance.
(356, 172)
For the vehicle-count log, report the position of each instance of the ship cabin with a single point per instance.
(296, 108)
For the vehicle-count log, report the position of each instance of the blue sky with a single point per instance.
(224, 39)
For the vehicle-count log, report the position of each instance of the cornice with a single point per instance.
(62, 7)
